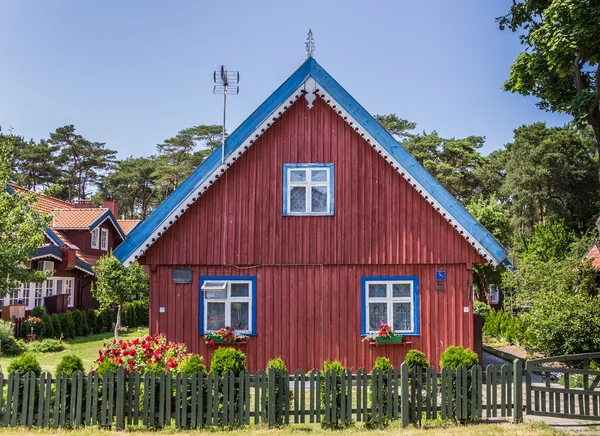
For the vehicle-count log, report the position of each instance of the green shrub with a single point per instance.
(25, 364)
(81, 327)
(334, 367)
(105, 319)
(192, 365)
(7, 330)
(504, 327)
(56, 326)
(279, 368)
(227, 359)
(382, 364)
(38, 311)
(65, 326)
(482, 309)
(455, 356)
(136, 314)
(107, 365)
(416, 359)
(14, 347)
(10, 345)
(46, 346)
(92, 321)
(70, 364)
(45, 327)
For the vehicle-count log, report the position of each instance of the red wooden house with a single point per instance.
(77, 236)
(317, 227)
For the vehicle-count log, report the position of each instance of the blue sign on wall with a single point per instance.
(440, 275)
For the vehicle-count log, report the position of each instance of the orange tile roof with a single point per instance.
(66, 240)
(594, 254)
(75, 218)
(43, 203)
(127, 225)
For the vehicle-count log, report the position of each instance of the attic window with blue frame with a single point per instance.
(308, 189)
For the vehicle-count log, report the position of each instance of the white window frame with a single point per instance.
(96, 238)
(104, 240)
(308, 184)
(389, 299)
(208, 286)
(68, 289)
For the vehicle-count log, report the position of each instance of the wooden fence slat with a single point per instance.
(95, 393)
(15, 401)
(404, 415)
(302, 397)
(120, 400)
(57, 400)
(518, 391)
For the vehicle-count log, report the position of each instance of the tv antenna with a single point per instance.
(226, 82)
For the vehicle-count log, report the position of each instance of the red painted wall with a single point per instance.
(307, 314)
(309, 268)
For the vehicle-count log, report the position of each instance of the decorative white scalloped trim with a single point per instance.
(262, 128)
(208, 181)
(402, 171)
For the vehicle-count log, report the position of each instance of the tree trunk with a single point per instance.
(118, 323)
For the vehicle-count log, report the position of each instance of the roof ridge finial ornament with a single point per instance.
(310, 45)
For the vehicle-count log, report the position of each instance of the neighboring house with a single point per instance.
(76, 238)
(316, 228)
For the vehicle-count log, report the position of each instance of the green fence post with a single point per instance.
(120, 406)
(404, 395)
(518, 391)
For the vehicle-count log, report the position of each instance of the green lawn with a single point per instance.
(86, 348)
(484, 429)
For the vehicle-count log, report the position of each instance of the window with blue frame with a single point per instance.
(308, 189)
(228, 301)
(390, 300)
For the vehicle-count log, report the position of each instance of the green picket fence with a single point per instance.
(156, 400)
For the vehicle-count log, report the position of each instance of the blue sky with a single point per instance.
(132, 73)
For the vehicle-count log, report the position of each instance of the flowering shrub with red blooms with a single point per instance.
(150, 353)
(223, 335)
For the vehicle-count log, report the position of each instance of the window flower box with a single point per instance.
(393, 340)
(224, 336)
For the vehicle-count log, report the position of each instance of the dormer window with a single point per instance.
(307, 189)
(96, 238)
(104, 240)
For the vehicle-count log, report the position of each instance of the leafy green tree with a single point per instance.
(117, 284)
(495, 217)
(81, 162)
(181, 154)
(397, 127)
(35, 165)
(133, 183)
(550, 172)
(453, 162)
(22, 229)
(561, 62)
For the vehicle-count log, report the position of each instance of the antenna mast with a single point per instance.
(226, 82)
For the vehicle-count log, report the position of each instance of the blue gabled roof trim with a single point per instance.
(81, 264)
(48, 251)
(107, 214)
(143, 232)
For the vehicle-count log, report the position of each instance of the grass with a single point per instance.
(86, 348)
(482, 429)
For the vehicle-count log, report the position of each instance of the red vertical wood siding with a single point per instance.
(307, 314)
(308, 269)
(379, 218)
